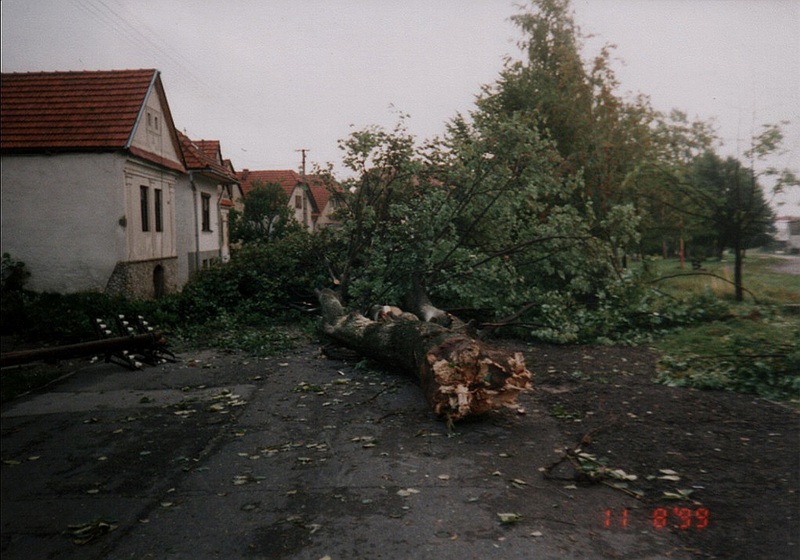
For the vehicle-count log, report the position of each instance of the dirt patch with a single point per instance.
(735, 455)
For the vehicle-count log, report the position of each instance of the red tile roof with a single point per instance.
(74, 111)
(287, 179)
(212, 148)
(52, 110)
(319, 190)
(198, 159)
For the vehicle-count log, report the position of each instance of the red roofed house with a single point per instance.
(92, 177)
(788, 233)
(300, 199)
(326, 198)
(213, 191)
(310, 198)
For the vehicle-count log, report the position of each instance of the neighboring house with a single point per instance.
(327, 199)
(788, 233)
(301, 200)
(236, 200)
(310, 197)
(202, 208)
(91, 173)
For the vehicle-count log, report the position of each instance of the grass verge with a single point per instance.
(756, 350)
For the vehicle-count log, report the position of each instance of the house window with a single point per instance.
(159, 209)
(144, 195)
(152, 121)
(206, 201)
(298, 201)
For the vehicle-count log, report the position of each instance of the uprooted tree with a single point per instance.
(513, 216)
(460, 224)
(461, 376)
(502, 213)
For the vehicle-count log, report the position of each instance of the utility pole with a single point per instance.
(303, 168)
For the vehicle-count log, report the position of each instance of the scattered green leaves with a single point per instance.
(85, 533)
(509, 518)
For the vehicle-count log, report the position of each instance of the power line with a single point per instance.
(138, 34)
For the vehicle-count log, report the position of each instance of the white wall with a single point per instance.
(153, 133)
(61, 216)
(151, 244)
(191, 239)
(303, 214)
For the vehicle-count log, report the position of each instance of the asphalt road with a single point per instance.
(297, 457)
(789, 265)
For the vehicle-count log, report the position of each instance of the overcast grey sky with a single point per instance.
(268, 77)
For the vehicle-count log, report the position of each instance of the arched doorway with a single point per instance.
(159, 287)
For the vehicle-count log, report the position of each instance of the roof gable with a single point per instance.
(320, 190)
(212, 149)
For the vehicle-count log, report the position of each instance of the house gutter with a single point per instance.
(196, 223)
(220, 227)
(141, 109)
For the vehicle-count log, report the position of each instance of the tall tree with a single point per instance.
(720, 202)
(266, 215)
(675, 143)
(600, 135)
(728, 197)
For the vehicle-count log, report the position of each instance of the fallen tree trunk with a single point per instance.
(460, 376)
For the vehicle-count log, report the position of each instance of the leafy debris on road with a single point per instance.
(87, 532)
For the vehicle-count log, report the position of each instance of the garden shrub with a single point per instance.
(262, 283)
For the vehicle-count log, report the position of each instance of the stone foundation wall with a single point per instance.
(138, 280)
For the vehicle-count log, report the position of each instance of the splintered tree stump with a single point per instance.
(461, 376)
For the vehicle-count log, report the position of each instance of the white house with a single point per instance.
(96, 194)
(300, 198)
(788, 232)
(312, 201)
(327, 196)
(203, 206)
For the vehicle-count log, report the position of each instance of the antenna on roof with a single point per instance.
(303, 168)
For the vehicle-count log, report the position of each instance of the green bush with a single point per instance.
(765, 362)
(62, 318)
(262, 284)
(625, 311)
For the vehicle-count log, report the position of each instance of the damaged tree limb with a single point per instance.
(460, 376)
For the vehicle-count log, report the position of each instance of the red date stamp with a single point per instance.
(681, 518)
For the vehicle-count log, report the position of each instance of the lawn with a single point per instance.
(763, 282)
(755, 349)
